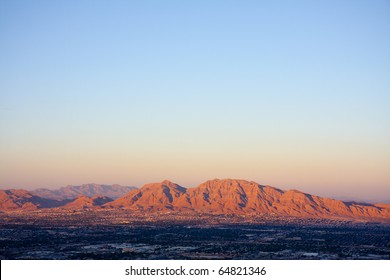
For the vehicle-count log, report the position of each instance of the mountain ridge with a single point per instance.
(217, 196)
(83, 202)
(19, 199)
(71, 192)
(221, 196)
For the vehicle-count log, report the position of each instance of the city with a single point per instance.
(137, 235)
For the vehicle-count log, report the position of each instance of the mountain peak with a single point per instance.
(23, 200)
(227, 184)
(168, 183)
(165, 183)
(221, 196)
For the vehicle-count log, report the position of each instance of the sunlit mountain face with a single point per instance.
(218, 196)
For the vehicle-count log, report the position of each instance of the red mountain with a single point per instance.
(240, 196)
(155, 196)
(90, 190)
(84, 202)
(227, 196)
(23, 200)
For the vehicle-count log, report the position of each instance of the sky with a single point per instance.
(293, 94)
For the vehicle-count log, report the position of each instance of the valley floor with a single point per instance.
(84, 235)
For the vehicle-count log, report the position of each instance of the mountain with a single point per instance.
(89, 190)
(84, 202)
(230, 196)
(226, 196)
(24, 200)
(155, 196)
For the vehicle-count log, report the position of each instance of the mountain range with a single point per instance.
(25, 200)
(226, 196)
(89, 190)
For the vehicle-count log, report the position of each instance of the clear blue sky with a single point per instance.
(287, 93)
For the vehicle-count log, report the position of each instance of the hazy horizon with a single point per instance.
(292, 95)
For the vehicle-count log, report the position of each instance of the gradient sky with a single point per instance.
(294, 94)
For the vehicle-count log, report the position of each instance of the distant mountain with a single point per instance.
(84, 202)
(89, 190)
(243, 197)
(25, 200)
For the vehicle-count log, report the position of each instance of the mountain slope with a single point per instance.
(239, 197)
(155, 196)
(24, 200)
(226, 196)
